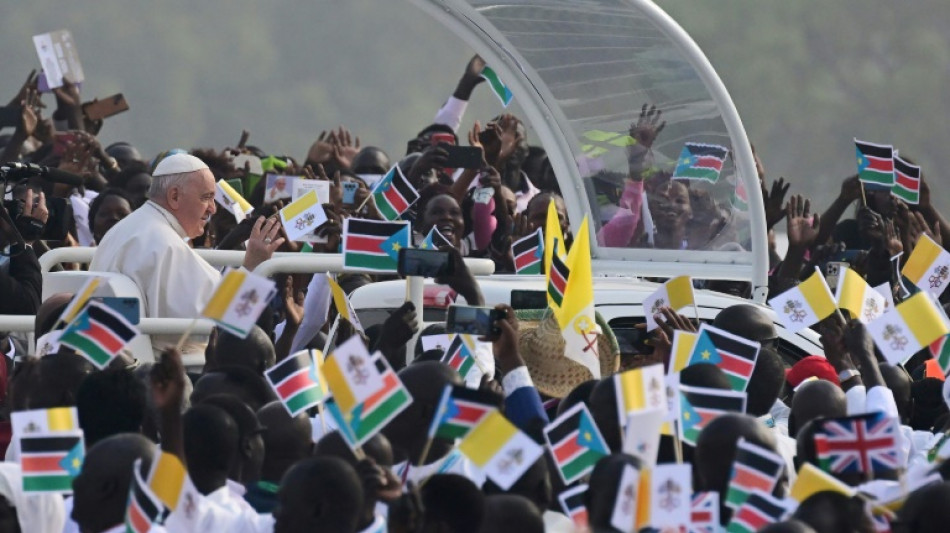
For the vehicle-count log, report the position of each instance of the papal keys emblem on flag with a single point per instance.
(795, 311)
(247, 301)
(895, 336)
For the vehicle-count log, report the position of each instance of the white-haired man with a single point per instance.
(150, 245)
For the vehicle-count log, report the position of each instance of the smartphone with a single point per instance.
(61, 140)
(424, 263)
(127, 307)
(462, 156)
(833, 272)
(529, 299)
(472, 320)
(442, 138)
(10, 116)
(349, 192)
(105, 108)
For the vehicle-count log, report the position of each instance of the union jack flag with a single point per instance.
(704, 513)
(864, 443)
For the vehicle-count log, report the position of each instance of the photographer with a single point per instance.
(21, 280)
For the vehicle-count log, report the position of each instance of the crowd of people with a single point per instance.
(257, 468)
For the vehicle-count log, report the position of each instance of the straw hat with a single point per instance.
(542, 348)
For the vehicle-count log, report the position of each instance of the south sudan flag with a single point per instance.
(373, 246)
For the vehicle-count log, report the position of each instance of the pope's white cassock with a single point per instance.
(149, 246)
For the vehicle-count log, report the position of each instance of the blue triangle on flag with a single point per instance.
(587, 435)
(72, 462)
(705, 351)
(397, 241)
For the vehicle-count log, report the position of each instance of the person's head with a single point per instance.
(832, 512)
(538, 168)
(124, 154)
(59, 377)
(604, 489)
(438, 208)
(816, 399)
(765, 383)
(237, 381)
(247, 466)
(424, 138)
(110, 401)
(379, 455)
(716, 450)
(106, 210)
(811, 366)
(509, 513)
(286, 440)
(603, 407)
(924, 510)
(705, 375)
(101, 490)
(898, 380)
(537, 212)
(185, 186)
(48, 313)
(211, 440)
(255, 352)
(370, 160)
(748, 321)
(425, 383)
(580, 394)
(670, 207)
(320, 495)
(453, 504)
(929, 407)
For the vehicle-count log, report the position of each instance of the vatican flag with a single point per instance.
(576, 315)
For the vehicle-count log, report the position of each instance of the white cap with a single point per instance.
(178, 164)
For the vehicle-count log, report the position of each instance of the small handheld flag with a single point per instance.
(704, 513)
(351, 374)
(575, 443)
(303, 216)
(460, 409)
(735, 355)
(928, 266)
(558, 275)
(906, 181)
(572, 502)
(940, 350)
(552, 235)
(459, 357)
(865, 443)
(343, 306)
(676, 294)
(238, 300)
(298, 381)
(875, 163)
(576, 315)
(434, 240)
(371, 415)
(79, 300)
(757, 512)
(640, 388)
(44, 420)
(99, 334)
(500, 449)
(144, 508)
(700, 162)
(858, 298)
(393, 195)
(528, 253)
(642, 437)
(698, 406)
(373, 246)
(231, 200)
(500, 89)
(624, 514)
(913, 324)
(754, 469)
(665, 502)
(50, 461)
(807, 304)
(811, 479)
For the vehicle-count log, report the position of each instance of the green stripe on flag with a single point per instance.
(879, 178)
(531, 269)
(304, 399)
(61, 483)
(500, 89)
(382, 263)
(467, 365)
(452, 431)
(581, 463)
(704, 174)
(382, 414)
(905, 194)
(736, 496)
(89, 348)
(384, 207)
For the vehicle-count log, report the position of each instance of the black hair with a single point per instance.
(454, 501)
(110, 401)
(131, 169)
(97, 202)
(243, 415)
(211, 438)
(765, 383)
(258, 393)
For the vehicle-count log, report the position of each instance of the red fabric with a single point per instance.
(813, 365)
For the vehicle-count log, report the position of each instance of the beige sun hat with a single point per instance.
(542, 348)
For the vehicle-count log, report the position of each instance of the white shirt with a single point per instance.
(453, 463)
(149, 247)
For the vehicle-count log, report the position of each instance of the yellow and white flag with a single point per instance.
(642, 436)
(807, 304)
(638, 389)
(576, 315)
(683, 344)
(351, 374)
(303, 216)
(913, 325)
(552, 233)
(343, 306)
(500, 449)
(624, 514)
(928, 266)
(676, 293)
(666, 491)
(232, 200)
(79, 300)
(44, 420)
(171, 484)
(238, 300)
(858, 298)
